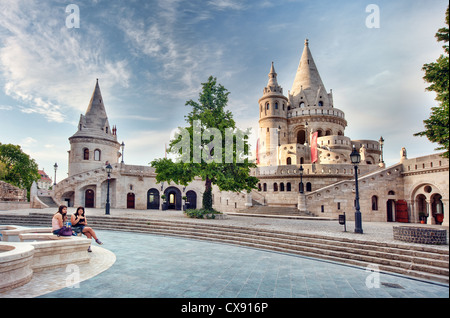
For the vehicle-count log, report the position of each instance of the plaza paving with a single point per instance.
(143, 265)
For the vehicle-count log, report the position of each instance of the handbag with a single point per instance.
(65, 231)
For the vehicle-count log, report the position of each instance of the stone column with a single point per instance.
(98, 196)
(430, 219)
(446, 214)
(302, 203)
(249, 200)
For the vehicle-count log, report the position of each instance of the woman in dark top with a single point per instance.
(79, 224)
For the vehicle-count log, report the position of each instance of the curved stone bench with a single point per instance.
(421, 235)
(15, 265)
(37, 250)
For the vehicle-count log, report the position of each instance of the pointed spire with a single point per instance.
(307, 74)
(96, 106)
(272, 77)
(95, 117)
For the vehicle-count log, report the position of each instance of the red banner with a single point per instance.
(314, 147)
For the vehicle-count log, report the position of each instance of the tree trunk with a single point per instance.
(207, 196)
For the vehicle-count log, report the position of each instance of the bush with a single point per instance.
(201, 213)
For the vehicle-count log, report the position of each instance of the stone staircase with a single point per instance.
(419, 261)
(48, 201)
(273, 210)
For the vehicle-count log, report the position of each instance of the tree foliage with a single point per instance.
(210, 154)
(437, 74)
(17, 168)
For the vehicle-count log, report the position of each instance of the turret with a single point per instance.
(95, 142)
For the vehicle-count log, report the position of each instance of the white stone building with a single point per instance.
(290, 127)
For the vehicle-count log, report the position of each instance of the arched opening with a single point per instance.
(289, 161)
(437, 208)
(97, 155)
(130, 200)
(191, 199)
(374, 203)
(421, 207)
(308, 187)
(301, 137)
(173, 197)
(390, 208)
(153, 199)
(275, 187)
(86, 154)
(89, 198)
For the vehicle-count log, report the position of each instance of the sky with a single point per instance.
(150, 57)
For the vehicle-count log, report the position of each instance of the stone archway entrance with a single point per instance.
(89, 198)
(130, 200)
(191, 198)
(173, 196)
(153, 199)
(390, 208)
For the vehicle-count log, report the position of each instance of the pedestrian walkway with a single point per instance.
(147, 265)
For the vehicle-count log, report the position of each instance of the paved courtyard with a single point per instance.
(143, 265)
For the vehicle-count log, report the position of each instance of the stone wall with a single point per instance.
(9, 192)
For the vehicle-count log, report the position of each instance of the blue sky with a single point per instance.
(151, 56)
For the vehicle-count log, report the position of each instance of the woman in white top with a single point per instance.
(58, 219)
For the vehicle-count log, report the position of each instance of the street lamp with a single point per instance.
(123, 146)
(356, 159)
(56, 167)
(108, 171)
(301, 179)
(381, 141)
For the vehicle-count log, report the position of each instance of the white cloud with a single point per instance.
(42, 61)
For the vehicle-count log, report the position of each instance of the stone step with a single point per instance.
(423, 262)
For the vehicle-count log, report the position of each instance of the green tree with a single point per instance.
(437, 74)
(18, 168)
(211, 147)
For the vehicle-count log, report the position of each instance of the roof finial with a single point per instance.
(306, 42)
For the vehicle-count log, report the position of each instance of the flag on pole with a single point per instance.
(314, 147)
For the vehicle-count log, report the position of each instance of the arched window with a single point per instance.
(275, 187)
(289, 161)
(391, 192)
(308, 187)
(97, 154)
(259, 186)
(374, 203)
(288, 187)
(276, 105)
(265, 187)
(302, 104)
(86, 154)
(267, 106)
(301, 137)
(281, 186)
(320, 103)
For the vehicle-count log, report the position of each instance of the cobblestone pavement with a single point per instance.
(143, 265)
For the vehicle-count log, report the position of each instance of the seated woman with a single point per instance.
(58, 219)
(79, 224)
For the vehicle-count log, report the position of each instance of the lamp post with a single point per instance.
(56, 167)
(123, 146)
(108, 171)
(356, 159)
(301, 179)
(381, 141)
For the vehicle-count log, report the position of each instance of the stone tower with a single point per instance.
(95, 142)
(272, 119)
(311, 107)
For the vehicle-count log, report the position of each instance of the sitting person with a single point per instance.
(79, 224)
(58, 219)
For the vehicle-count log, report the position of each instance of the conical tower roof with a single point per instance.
(307, 76)
(96, 113)
(95, 122)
